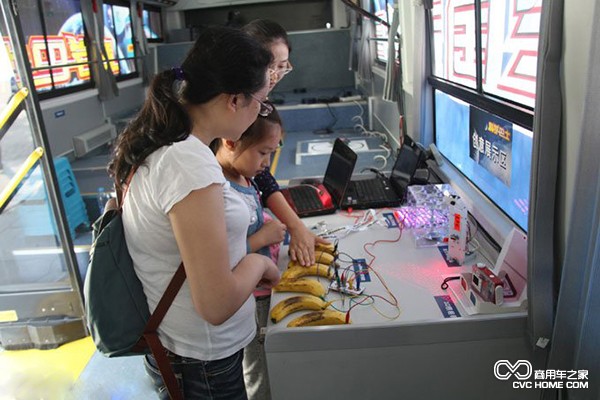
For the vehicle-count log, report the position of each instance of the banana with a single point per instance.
(296, 303)
(326, 247)
(302, 285)
(321, 257)
(297, 271)
(316, 318)
(324, 257)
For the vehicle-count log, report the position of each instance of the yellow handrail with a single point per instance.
(275, 161)
(12, 110)
(14, 183)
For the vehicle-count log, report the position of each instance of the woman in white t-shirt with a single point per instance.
(179, 207)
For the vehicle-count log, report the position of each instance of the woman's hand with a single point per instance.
(271, 276)
(302, 245)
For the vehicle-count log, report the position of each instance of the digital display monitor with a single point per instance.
(491, 152)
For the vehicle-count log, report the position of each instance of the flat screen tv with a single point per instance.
(491, 152)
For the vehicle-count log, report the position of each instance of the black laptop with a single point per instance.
(339, 191)
(315, 198)
(382, 191)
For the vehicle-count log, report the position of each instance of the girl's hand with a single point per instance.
(302, 245)
(273, 231)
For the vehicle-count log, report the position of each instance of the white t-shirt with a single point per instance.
(168, 176)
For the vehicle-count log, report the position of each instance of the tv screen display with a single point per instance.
(491, 152)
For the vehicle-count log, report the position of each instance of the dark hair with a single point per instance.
(222, 60)
(266, 32)
(255, 132)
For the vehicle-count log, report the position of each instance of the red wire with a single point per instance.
(370, 265)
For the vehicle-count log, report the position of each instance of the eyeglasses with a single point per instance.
(281, 72)
(265, 108)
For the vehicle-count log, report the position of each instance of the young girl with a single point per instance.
(241, 161)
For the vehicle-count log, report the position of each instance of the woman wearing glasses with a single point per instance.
(179, 207)
(302, 240)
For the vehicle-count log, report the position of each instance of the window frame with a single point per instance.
(151, 8)
(512, 111)
(54, 91)
(131, 75)
(376, 39)
(493, 218)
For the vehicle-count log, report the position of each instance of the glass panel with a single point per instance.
(152, 24)
(64, 44)
(31, 256)
(123, 29)
(381, 32)
(33, 31)
(510, 70)
(454, 40)
(118, 20)
(494, 154)
(69, 76)
(128, 65)
(8, 71)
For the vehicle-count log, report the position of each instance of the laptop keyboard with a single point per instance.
(369, 190)
(306, 198)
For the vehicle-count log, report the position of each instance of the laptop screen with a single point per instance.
(404, 168)
(339, 170)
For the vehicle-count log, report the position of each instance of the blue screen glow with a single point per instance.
(492, 153)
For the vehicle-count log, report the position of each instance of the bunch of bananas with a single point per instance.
(292, 281)
(325, 254)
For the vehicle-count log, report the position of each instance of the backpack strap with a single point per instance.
(122, 189)
(150, 337)
(166, 300)
(163, 364)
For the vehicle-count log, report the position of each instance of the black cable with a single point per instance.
(471, 235)
(345, 254)
(376, 171)
(487, 236)
(444, 285)
(335, 119)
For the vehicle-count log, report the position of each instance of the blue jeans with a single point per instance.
(218, 379)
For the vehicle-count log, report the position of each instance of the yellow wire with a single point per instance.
(385, 316)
